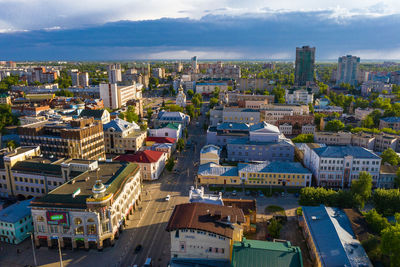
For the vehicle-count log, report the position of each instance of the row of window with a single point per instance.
(273, 182)
(262, 175)
(36, 181)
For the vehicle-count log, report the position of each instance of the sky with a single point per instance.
(179, 29)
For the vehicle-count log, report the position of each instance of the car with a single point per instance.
(296, 195)
(138, 248)
(167, 198)
(261, 194)
(148, 263)
(176, 171)
(234, 193)
(283, 194)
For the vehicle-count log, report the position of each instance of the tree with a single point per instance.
(216, 92)
(391, 244)
(6, 117)
(362, 188)
(121, 116)
(11, 144)
(154, 81)
(180, 145)
(303, 138)
(185, 133)
(368, 122)
(334, 126)
(213, 102)
(279, 94)
(274, 228)
(386, 201)
(196, 101)
(190, 93)
(190, 110)
(397, 178)
(175, 107)
(390, 156)
(170, 164)
(149, 113)
(143, 127)
(64, 92)
(375, 221)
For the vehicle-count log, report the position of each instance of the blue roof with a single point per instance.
(343, 151)
(171, 115)
(233, 126)
(120, 125)
(16, 212)
(210, 148)
(274, 167)
(218, 170)
(391, 119)
(333, 237)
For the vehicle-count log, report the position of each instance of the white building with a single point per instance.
(204, 231)
(114, 73)
(158, 73)
(173, 130)
(375, 86)
(115, 96)
(348, 68)
(181, 98)
(208, 88)
(300, 96)
(362, 113)
(210, 153)
(308, 129)
(89, 211)
(337, 166)
(286, 128)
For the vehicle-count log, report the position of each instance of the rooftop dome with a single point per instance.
(98, 187)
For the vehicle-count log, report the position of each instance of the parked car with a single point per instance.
(234, 193)
(167, 198)
(138, 248)
(261, 195)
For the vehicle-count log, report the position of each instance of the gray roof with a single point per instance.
(274, 167)
(210, 148)
(95, 113)
(343, 151)
(120, 125)
(264, 125)
(233, 126)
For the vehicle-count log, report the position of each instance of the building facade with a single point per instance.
(300, 96)
(390, 122)
(305, 65)
(173, 130)
(79, 139)
(89, 211)
(348, 68)
(115, 96)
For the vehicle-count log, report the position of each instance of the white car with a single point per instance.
(167, 198)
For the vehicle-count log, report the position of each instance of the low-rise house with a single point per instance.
(249, 208)
(173, 130)
(151, 162)
(121, 137)
(16, 222)
(165, 117)
(331, 138)
(5, 99)
(200, 230)
(264, 254)
(330, 238)
(390, 122)
(98, 114)
(210, 153)
(387, 176)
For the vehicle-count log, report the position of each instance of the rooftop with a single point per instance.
(111, 174)
(156, 139)
(248, 206)
(344, 151)
(15, 212)
(233, 126)
(146, 156)
(391, 119)
(264, 253)
(120, 125)
(207, 217)
(210, 149)
(95, 113)
(266, 126)
(274, 167)
(333, 237)
(197, 195)
(217, 170)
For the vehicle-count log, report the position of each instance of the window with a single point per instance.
(91, 229)
(77, 221)
(79, 230)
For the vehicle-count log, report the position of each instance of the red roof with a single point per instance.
(146, 156)
(161, 140)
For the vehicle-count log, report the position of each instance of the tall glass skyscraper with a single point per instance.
(305, 64)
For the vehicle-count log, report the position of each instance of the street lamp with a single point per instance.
(33, 248)
(59, 251)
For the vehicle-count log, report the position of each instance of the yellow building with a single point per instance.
(275, 173)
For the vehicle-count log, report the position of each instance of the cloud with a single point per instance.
(266, 36)
(41, 14)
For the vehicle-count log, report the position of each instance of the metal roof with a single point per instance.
(15, 212)
(343, 151)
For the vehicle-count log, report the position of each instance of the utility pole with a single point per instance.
(33, 250)
(59, 250)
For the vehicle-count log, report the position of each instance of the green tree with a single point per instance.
(279, 94)
(196, 101)
(375, 221)
(317, 119)
(149, 113)
(334, 126)
(390, 156)
(143, 126)
(386, 201)
(213, 102)
(391, 244)
(170, 164)
(274, 228)
(180, 145)
(11, 144)
(174, 107)
(154, 81)
(368, 122)
(304, 138)
(64, 92)
(6, 117)
(362, 188)
(216, 92)
(121, 116)
(190, 93)
(190, 110)
(397, 178)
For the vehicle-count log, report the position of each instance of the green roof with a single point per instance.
(265, 253)
(174, 126)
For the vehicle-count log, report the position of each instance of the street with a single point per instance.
(146, 227)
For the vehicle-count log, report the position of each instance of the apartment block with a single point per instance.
(79, 138)
(390, 122)
(337, 166)
(348, 68)
(299, 96)
(115, 96)
(304, 65)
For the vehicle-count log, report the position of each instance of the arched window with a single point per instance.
(90, 220)
(91, 229)
(77, 221)
(79, 230)
(39, 219)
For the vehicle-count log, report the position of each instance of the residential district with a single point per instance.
(200, 163)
